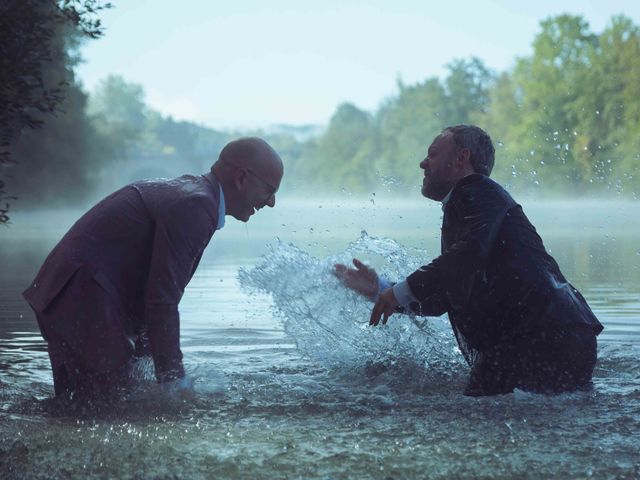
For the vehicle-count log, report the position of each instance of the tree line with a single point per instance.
(44, 130)
(565, 118)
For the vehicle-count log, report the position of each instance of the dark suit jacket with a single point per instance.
(142, 244)
(494, 277)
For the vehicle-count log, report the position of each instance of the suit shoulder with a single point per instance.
(187, 191)
(477, 187)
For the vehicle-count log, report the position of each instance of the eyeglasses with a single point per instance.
(271, 190)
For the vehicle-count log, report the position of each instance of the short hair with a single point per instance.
(479, 144)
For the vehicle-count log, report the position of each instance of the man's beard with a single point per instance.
(435, 189)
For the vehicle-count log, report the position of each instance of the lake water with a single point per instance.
(292, 383)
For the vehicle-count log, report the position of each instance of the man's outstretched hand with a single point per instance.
(362, 279)
(384, 307)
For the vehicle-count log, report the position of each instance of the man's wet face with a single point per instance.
(439, 167)
(261, 193)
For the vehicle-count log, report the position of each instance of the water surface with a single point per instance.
(292, 383)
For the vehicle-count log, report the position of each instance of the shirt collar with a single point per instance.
(445, 200)
(447, 197)
(221, 209)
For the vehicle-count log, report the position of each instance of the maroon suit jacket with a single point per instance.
(142, 244)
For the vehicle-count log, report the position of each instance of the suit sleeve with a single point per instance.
(433, 306)
(181, 234)
(480, 216)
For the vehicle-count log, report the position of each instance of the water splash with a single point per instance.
(330, 323)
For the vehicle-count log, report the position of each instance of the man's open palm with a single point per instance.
(362, 279)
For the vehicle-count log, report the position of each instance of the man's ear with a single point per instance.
(464, 157)
(240, 178)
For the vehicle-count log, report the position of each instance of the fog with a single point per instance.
(325, 225)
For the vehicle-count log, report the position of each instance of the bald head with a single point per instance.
(255, 154)
(250, 171)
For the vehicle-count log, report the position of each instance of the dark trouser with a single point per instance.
(89, 347)
(558, 359)
(73, 374)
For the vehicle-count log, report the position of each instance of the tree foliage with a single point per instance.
(564, 118)
(37, 40)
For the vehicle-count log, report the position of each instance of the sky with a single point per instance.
(251, 63)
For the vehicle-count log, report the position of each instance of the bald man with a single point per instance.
(110, 289)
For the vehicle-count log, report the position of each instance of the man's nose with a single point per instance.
(423, 163)
(272, 201)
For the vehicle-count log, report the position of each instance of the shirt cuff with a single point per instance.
(383, 284)
(403, 293)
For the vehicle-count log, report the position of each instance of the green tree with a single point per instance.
(407, 124)
(119, 112)
(333, 161)
(504, 110)
(360, 150)
(468, 86)
(547, 84)
(33, 55)
(60, 162)
(608, 110)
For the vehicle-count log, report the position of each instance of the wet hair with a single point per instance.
(479, 144)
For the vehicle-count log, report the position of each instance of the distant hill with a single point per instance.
(301, 133)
